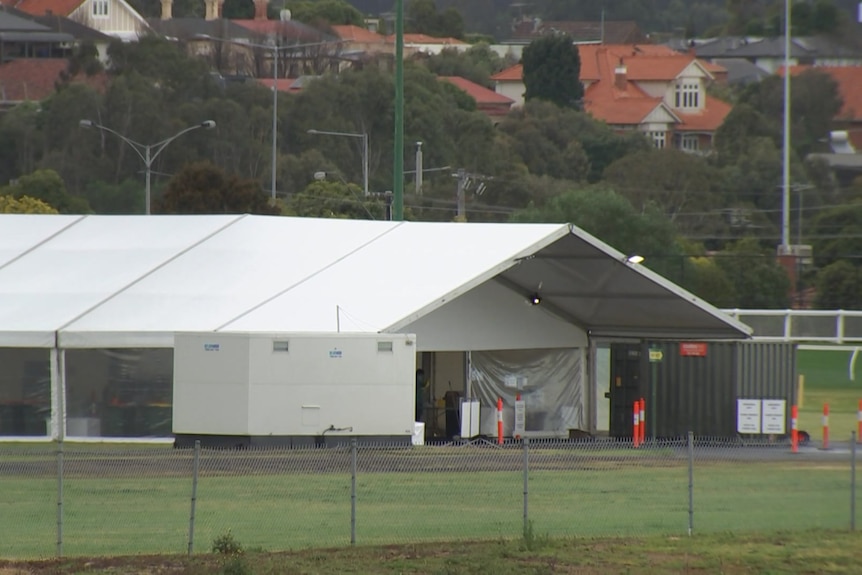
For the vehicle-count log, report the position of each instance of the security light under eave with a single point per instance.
(534, 299)
(635, 259)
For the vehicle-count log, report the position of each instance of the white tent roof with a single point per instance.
(133, 281)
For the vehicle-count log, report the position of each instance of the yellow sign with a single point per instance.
(655, 355)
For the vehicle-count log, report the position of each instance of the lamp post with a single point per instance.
(364, 137)
(147, 152)
(275, 49)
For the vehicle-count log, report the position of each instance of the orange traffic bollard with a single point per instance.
(825, 426)
(794, 434)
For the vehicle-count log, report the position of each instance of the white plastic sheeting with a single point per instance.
(550, 381)
(133, 281)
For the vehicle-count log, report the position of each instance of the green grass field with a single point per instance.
(150, 514)
(827, 380)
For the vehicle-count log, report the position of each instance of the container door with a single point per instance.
(625, 387)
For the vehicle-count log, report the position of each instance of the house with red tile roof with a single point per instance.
(648, 88)
(429, 45)
(489, 102)
(114, 18)
(849, 80)
(34, 79)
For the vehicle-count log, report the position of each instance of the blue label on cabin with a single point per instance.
(335, 354)
(212, 346)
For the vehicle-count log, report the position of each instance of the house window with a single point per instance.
(689, 143)
(100, 8)
(659, 139)
(687, 95)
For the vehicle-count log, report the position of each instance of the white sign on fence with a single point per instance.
(748, 415)
(774, 416)
(520, 418)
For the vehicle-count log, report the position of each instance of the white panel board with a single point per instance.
(748, 415)
(774, 414)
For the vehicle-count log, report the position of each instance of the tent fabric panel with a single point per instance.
(494, 318)
(22, 232)
(412, 267)
(40, 339)
(231, 273)
(115, 339)
(588, 281)
(70, 273)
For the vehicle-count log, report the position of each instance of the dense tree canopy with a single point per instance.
(422, 17)
(552, 71)
(24, 205)
(203, 188)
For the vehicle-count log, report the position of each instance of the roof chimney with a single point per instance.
(167, 5)
(210, 9)
(260, 9)
(620, 73)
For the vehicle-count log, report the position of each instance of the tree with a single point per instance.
(611, 218)
(758, 280)
(477, 64)
(24, 205)
(47, 186)
(673, 180)
(839, 286)
(552, 69)
(814, 102)
(421, 17)
(549, 139)
(203, 188)
(323, 12)
(324, 199)
(839, 234)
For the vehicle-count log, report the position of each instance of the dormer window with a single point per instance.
(100, 8)
(687, 95)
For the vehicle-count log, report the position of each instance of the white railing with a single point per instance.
(803, 325)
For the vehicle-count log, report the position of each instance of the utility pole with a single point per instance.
(462, 188)
(419, 174)
(465, 178)
(398, 162)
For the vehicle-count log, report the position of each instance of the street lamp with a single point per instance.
(364, 137)
(275, 49)
(147, 152)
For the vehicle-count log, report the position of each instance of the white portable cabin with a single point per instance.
(293, 388)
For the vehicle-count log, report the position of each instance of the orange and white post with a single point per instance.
(642, 422)
(794, 426)
(499, 421)
(859, 423)
(636, 421)
(825, 426)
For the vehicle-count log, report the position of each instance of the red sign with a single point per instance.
(692, 349)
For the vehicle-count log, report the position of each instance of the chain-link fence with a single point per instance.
(106, 500)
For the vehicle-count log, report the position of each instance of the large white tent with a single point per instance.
(129, 281)
(115, 282)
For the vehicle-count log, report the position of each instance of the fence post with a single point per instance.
(353, 491)
(636, 423)
(195, 468)
(825, 426)
(499, 421)
(526, 484)
(59, 498)
(853, 481)
(690, 482)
